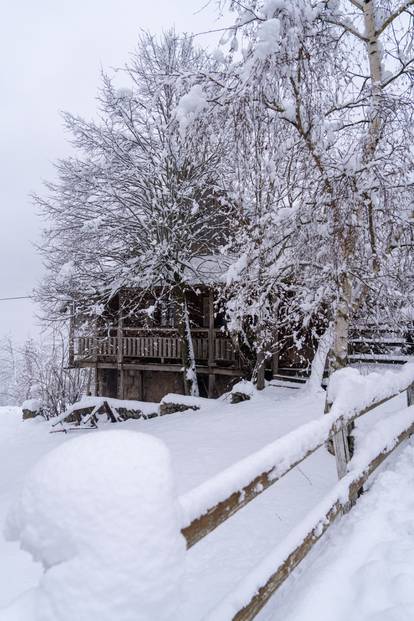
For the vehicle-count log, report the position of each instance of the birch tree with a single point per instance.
(338, 75)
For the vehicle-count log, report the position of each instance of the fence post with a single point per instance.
(342, 452)
(410, 395)
(341, 446)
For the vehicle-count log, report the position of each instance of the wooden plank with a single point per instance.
(203, 525)
(157, 366)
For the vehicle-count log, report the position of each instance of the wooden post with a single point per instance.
(410, 395)
(211, 345)
(140, 386)
(119, 356)
(71, 351)
(342, 453)
(341, 446)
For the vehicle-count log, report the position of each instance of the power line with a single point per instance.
(20, 297)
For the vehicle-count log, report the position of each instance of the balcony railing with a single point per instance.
(161, 345)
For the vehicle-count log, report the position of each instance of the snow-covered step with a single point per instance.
(287, 381)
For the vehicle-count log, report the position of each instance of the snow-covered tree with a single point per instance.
(337, 75)
(38, 369)
(141, 203)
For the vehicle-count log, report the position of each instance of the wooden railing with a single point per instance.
(162, 344)
(252, 476)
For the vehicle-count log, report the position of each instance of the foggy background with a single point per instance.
(51, 57)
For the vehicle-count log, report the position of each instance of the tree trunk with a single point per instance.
(338, 358)
(187, 349)
(314, 383)
(375, 121)
(259, 373)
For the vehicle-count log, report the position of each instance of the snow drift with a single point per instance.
(99, 513)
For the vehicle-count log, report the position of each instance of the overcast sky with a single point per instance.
(51, 55)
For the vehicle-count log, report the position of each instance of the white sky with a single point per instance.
(51, 54)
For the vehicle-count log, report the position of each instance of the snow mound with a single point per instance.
(34, 405)
(350, 392)
(244, 387)
(99, 513)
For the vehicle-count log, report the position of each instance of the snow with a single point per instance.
(146, 407)
(244, 387)
(363, 568)
(190, 106)
(34, 405)
(268, 38)
(202, 444)
(352, 392)
(100, 514)
(213, 449)
(197, 402)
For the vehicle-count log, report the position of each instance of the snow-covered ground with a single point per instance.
(201, 444)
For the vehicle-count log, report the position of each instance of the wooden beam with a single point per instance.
(158, 367)
(211, 344)
(71, 348)
(203, 525)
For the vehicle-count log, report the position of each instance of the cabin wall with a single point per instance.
(107, 382)
(154, 385)
(157, 384)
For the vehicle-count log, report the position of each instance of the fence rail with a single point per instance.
(207, 506)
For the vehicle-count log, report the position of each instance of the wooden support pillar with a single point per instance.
(97, 383)
(120, 356)
(71, 349)
(211, 345)
(140, 385)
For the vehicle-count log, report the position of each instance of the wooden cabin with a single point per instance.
(141, 359)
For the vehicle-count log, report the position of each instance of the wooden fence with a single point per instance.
(255, 474)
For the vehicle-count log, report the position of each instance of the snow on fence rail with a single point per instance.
(350, 395)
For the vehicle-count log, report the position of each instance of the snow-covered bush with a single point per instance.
(242, 391)
(100, 514)
(38, 370)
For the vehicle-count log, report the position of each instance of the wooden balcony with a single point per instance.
(157, 346)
